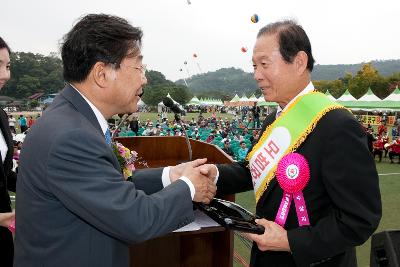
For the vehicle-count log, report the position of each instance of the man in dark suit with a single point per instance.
(75, 207)
(342, 196)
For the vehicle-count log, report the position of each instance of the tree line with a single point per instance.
(34, 73)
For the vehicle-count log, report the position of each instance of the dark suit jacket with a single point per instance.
(342, 197)
(7, 182)
(74, 208)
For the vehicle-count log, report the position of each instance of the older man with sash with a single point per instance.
(315, 182)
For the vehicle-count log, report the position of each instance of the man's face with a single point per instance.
(275, 77)
(128, 84)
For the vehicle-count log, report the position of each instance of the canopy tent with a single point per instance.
(161, 106)
(394, 96)
(194, 101)
(369, 96)
(346, 96)
(244, 98)
(328, 94)
(236, 98)
(211, 102)
(253, 98)
(141, 103)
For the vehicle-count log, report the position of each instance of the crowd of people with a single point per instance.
(381, 144)
(75, 207)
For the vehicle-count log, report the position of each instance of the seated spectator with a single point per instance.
(242, 152)
(227, 148)
(210, 138)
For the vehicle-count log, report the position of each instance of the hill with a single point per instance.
(233, 80)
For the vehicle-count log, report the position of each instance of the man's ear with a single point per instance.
(102, 74)
(301, 61)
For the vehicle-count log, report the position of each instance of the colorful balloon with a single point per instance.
(254, 18)
(244, 49)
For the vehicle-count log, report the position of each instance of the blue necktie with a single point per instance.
(107, 135)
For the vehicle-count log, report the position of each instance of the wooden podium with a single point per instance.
(212, 246)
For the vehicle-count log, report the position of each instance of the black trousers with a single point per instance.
(6, 248)
(392, 155)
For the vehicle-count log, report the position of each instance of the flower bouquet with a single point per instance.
(126, 159)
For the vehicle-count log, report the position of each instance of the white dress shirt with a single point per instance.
(309, 88)
(3, 147)
(104, 126)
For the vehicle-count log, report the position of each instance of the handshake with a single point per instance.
(201, 175)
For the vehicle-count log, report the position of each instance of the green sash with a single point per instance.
(285, 135)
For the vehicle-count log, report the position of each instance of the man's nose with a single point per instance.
(144, 80)
(257, 75)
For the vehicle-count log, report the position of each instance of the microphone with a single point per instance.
(178, 110)
(173, 106)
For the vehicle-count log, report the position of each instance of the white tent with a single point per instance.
(394, 96)
(194, 101)
(369, 96)
(346, 97)
(254, 98)
(161, 106)
(141, 103)
(244, 98)
(328, 94)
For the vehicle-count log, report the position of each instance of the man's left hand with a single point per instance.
(274, 237)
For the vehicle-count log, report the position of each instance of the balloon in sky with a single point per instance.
(254, 18)
(244, 49)
(189, 3)
(185, 62)
(194, 55)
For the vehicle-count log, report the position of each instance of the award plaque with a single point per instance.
(231, 216)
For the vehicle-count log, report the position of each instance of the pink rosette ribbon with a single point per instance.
(293, 174)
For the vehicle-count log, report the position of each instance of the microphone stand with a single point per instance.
(124, 118)
(178, 120)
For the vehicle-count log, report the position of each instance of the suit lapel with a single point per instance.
(5, 129)
(73, 96)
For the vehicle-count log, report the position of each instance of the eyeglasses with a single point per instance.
(142, 68)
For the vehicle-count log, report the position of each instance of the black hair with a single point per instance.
(291, 38)
(98, 37)
(3, 44)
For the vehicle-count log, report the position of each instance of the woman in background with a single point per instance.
(7, 176)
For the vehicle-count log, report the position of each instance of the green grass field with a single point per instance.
(390, 191)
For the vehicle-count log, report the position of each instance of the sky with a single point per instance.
(340, 31)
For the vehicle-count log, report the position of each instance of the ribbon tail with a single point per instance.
(283, 211)
(301, 209)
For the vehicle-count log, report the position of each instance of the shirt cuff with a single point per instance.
(165, 177)
(190, 184)
(166, 181)
(216, 176)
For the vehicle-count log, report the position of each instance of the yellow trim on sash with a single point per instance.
(291, 148)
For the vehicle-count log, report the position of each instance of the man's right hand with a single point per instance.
(205, 187)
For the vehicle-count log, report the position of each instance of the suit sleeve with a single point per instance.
(351, 181)
(235, 177)
(80, 173)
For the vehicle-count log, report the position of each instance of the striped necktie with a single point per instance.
(107, 135)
